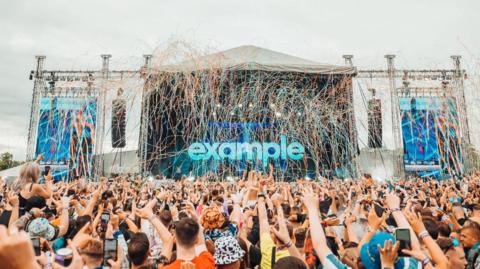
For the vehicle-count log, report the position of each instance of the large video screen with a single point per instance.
(431, 138)
(65, 137)
(233, 147)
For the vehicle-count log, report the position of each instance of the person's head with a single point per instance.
(212, 218)
(369, 253)
(300, 236)
(186, 232)
(443, 229)
(469, 236)
(456, 258)
(476, 210)
(92, 253)
(138, 249)
(228, 253)
(431, 226)
(289, 262)
(166, 217)
(41, 227)
(29, 173)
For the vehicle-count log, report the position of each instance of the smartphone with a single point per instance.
(325, 205)
(36, 246)
(109, 250)
(104, 219)
(46, 170)
(403, 235)
(378, 210)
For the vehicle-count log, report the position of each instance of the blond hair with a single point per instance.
(29, 173)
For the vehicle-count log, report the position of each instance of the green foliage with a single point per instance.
(6, 161)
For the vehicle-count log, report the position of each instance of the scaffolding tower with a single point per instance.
(73, 83)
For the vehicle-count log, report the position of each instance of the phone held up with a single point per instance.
(403, 236)
(109, 250)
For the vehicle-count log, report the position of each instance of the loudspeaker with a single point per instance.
(119, 113)
(375, 123)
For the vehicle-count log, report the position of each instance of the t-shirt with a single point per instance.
(332, 262)
(203, 261)
(266, 246)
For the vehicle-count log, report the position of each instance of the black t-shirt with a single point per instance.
(5, 217)
(255, 256)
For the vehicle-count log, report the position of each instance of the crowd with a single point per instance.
(254, 222)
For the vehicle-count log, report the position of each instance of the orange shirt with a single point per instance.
(203, 261)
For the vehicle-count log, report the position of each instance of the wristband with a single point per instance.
(423, 234)
(426, 261)
(395, 209)
(287, 245)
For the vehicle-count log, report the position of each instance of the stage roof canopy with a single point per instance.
(255, 58)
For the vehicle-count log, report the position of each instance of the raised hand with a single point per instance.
(237, 197)
(12, 199)
(373, 220)
(415, 221)
(281, 234)
(392, 200)
(16, 250)
(310, 199)
(388, 254)
(147, 211)
(49, 177)
(83, 237)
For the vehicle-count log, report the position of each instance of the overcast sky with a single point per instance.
(72, 34)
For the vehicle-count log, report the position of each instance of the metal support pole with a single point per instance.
(99, 162)
(352, 128)
(459, 93)
(105, 63)
(40, 63)
(348, 59)
(148, 60)
(143, 136)
(397, 132)
(38, 87)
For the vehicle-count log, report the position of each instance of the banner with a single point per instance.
(65, 137)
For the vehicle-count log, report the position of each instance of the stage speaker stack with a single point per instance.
(119, 112)
(374, 123)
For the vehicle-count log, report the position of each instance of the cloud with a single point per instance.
(74, 33)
